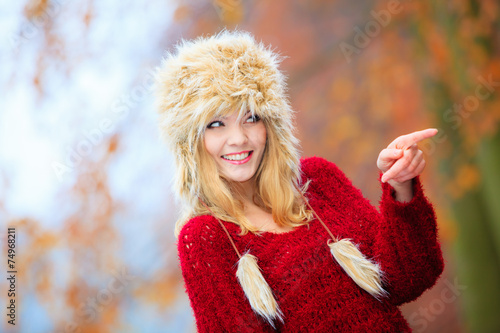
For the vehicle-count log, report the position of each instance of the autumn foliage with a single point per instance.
(360, 74)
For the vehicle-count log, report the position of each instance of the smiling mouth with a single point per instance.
(237, 157)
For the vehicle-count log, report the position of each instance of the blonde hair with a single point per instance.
(275, 184)
(214, 77)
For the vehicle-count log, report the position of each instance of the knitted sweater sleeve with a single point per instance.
(401, 237)
(208, 264)
(407, 244)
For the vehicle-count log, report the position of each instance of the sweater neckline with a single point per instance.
(269, 234)
(280, 234)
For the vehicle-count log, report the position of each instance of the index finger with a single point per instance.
(410, 139)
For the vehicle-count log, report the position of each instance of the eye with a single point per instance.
(253, 119)
(215, 124)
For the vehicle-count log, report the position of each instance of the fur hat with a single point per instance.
(215, 76)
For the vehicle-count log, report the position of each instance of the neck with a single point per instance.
(246, 190)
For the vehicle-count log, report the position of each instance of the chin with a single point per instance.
(241, 178)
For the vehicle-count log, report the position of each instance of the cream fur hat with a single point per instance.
(215, 76)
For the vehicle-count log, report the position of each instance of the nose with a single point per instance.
(237, 136)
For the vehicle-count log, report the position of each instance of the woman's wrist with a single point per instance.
(403, 192)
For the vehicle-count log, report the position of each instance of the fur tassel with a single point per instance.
(364, 272)
(257, 290)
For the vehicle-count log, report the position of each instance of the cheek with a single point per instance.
(211, 144)
(262, 135)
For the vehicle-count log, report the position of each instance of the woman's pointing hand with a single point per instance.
(402, 161)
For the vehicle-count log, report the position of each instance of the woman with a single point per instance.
(271, 242)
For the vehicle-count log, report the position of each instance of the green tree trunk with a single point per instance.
(477, 212)
(477, 262)
(488, 161)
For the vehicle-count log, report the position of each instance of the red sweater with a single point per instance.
(311, 289)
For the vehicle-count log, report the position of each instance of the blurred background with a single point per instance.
(86, 182)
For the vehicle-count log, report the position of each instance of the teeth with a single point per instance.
(237, 157)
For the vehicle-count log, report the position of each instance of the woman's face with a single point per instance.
(236, 146)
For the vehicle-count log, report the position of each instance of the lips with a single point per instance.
(238, 158)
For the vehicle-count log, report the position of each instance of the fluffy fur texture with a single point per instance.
(216, 76)
(257, 290)
(364, 272)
